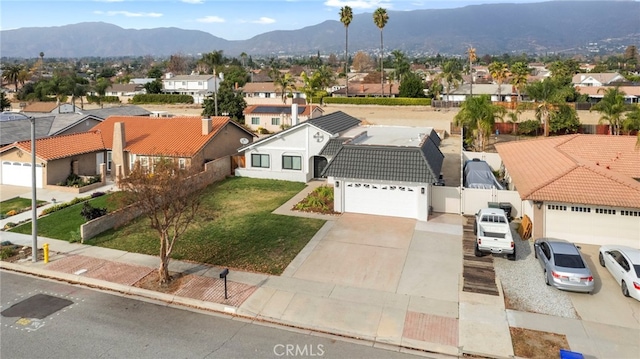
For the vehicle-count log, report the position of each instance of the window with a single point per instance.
(556, 207)
(275, 121)
(255, 120)
(144, 163)
(292, 163)
(109, 154)
(182, 163)
(581, 209)
(258, 160)
(605, 211)
(199, 83)
(630, 213)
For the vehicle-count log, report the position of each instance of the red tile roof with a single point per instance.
(170, 136)
(52, 148)
(585, 169)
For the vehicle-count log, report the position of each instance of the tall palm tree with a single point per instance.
(284, 82)
(400, 64)
(346, 16)
(380, 18)
(519, 72)
(452, 74)
(11, 74)
(499, 71)
(478, 116)
(471, 52)
(41, 63)
(611, 108)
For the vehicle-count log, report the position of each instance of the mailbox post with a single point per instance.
(223, 274)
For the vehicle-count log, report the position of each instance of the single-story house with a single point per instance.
(596, 93)
(385, 170)
(461, 93)
(368, 90)
(597, 79)
(294, 154)
(119, 142)
(274, 118)
(582, 188)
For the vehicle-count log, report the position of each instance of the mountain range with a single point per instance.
(556, 26)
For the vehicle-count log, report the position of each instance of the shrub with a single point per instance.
(529, 127)
(387, 101)
(97, 194)
(12, 212)
(262, 131)
(89, 212)
(60, 206)
(10, 225)
(7, 252)
(162, 99)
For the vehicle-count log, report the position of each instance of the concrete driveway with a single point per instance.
(390, 254)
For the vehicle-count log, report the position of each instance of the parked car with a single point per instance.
(493, 233)
(624, 265)
(563, 265)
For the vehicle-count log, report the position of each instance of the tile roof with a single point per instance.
(160, 135)
(303, 110)
(388, 163)
(584, 169)
(332, 147)
(335, 122)
(52, 148)
(598, 91)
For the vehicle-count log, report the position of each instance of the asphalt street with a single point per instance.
(75, 322)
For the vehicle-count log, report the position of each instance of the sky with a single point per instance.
(227, 19)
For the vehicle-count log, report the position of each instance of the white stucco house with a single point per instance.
(294, 154)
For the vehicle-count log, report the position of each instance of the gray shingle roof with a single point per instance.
(20, 130)
(335, 122)
(129, 110)
(388, 163)
(332, 147)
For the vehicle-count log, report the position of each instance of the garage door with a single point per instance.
(19, 174)
(384, 200)
(592, 224)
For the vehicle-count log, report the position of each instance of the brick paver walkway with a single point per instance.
(431, 328)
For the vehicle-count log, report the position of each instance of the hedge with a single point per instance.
(384, 101)
(161, 98)
(103, 99)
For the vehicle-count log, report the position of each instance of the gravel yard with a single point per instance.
(523, 283)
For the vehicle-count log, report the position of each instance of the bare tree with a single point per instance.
(169, 196)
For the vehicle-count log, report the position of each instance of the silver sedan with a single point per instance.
(563, 265)
(624, 265)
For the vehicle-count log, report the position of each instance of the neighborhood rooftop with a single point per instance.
(403, 136)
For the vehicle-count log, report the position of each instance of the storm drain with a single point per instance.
(38, 306)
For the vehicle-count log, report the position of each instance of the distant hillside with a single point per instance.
(492, 29)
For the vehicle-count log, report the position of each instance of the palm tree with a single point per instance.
(380, 18)
(346, 15)
(499, 71)
(519, 72)
(548, 95)
(478, 116)
(400, 64)
(611, 108)
(471, 52)
(284, 82)
(212, 60)
(11, 74)
(41, 63)
(452, 74)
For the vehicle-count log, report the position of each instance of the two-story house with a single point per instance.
(197, 86)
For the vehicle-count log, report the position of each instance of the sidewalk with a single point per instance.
(439, 325)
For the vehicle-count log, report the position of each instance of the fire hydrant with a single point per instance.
(45, 249)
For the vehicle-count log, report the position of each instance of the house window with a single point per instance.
(605, 211)
(199, 83)
(255, 120)
(630, 213)
(109, 160)
(144, 163)
(275, 121)
(258, 160)
(184, 83)
(292, 163)
(581, 209)
(182, 163)
(556, 207)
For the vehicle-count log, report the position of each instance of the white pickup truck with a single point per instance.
(493, 234)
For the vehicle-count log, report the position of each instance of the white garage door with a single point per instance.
(383, 200)
(593, 224)
(19, 174)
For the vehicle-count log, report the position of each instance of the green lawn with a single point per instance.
(234, 228)
(65, 223)
(17, 204)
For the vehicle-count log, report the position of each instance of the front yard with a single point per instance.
(235, 228)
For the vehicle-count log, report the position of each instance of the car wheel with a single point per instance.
(477, 251)
(546, 278)
(625, 290)
(601, 259)
(512, 257)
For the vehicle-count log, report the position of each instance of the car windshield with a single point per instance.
(637, 268)
(568, 260)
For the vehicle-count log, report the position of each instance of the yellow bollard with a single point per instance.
(45, 248)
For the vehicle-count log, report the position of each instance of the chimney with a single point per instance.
(206, 126)
(294, 114)
(118, 156)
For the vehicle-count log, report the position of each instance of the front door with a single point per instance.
(319, 163)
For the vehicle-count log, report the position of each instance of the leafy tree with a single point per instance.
(435, 89)
(632, 120)
(362, 62)
(154, 86)
(519, 73)
(107, 73)
(4, 101)
(529, 127)
(400, 64)
(564, 120)
(230, 102)
(452, 75)
(412, 86)
(380, 18)
(169, 196)
(478, 116)
(100, 87)
(177, 64)
(235, 74)
(499, 71)
(563, 71)
(611, 108)
(548, 95)
(154, 73)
